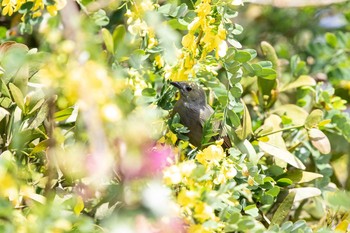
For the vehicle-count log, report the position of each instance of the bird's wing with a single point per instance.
(205, 113)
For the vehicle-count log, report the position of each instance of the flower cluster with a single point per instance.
(209, 189)
(137, 25)
(206, 33)
(33, 9)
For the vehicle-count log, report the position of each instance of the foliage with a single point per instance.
(89, 144)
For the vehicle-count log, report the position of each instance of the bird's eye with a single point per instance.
(188, 88)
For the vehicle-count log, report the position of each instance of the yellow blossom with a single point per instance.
(172, 175)
(159, 62)
(188, 40)
(204, 212)
(230, 172)
(187, 198)
(8, 9)
(52, 10)
(211, 154)
(220, 179)
(187, 167)
(198, 228)
(203, 9)
(194, 24)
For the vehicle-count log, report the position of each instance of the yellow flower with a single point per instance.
(172, 175)
(152, 41)
(204, 212)
(230, 172)
(211, 154)
(220, 179)
(194, 24)
(203, 9)
(8, 9)
(187, 167)
(188, 40)
(198, 229)
(158, 61)
(52, 10)
(187, 198)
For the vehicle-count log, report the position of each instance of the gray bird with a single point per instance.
(194, 112)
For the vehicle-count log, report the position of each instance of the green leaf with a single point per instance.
(283, 210)
(283, 182)
(4, 89)
(299, 176)
(137, 58)
(17, 96)
(267, 73)
(40, 147)
(100, 18)
(245, 129)
(36, 106)
(149, 92)
(270, 53)
(108, 40)
(338, 200)
(40, 117)
(63, 114)
(252, 210)
(233, 117)
(274, 191)
(314, 118)
(281, 154)
(118, 38)
(168, 9)
(247, 148)
(242, 56)
(331, 39)
(267, 199)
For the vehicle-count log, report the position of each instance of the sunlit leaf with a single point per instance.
(314, 118)
(281, 154)
(41, 146)
(17, 96)
(246, 147)
(305, 193)
(246, 129)
(108, 40)
(3, 113)
(294, 112)
(40, 117)
(302, 81)
(63, 114)
(299, 176)
(320, 141)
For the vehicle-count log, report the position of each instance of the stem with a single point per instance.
(280, 130)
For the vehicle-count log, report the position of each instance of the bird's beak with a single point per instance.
(177, 85)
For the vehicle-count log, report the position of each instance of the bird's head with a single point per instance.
(190, 92)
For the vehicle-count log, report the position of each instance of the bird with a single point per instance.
(194, 111)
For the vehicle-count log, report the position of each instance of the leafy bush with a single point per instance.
(89, 144)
